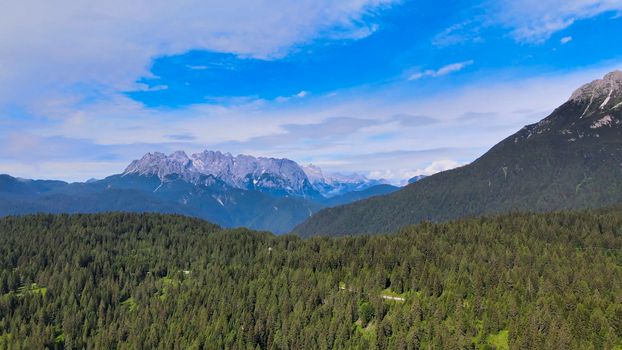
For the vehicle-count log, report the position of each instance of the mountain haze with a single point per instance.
(571, 159)
(260, 193)
(337, 184)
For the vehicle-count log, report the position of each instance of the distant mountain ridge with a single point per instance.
(336, 184)
(414, 179)
(270, 175)
(279, 176)
(571, 159)
(260, 193)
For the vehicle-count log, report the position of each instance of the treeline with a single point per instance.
(132, 281)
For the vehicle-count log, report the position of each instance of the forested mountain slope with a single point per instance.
(550, 281)
(570, 160)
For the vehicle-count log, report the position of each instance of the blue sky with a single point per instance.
(386, 88)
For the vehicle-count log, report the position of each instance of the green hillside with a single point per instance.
(105, 281)
(570, 160)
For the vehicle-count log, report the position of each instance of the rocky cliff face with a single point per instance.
(278, 176)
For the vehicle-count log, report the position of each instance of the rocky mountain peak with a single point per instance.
(314, 173)
(600, 100)
(595, 109)
(607, 88)
(274, 175)
(160, 164)
(179, 156)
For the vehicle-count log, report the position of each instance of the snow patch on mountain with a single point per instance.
(607, 86)
(335, 184)
(599, 94)
(314, 173)
(272, 175)
(280, 176)
(602, 106)
(604, 121)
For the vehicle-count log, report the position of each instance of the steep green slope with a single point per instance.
(570, 160)
(108, 281)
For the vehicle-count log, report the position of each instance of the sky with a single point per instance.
(386, 88)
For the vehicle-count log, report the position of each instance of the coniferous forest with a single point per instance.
(147, 281)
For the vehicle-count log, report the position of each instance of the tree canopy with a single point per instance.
(148, 281)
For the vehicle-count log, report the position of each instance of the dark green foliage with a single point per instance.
(210, 200)
(560, 163)
(366, 313)
(216, 202)
(550, 281)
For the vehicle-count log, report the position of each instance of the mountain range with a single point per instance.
(571, 159)
(260, 193)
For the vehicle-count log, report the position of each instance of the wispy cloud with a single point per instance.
(405, 174)
(445, 70)
(299, 95)
(182, 137)
(345, 134)
(198, 67)
(73, 120)
(565, 40)
(51, 51)
(534, 21)
(528, 21)
(408, 120)
(460, 33)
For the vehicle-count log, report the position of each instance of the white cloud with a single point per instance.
(301, 94)
(401, 176)
(438, 166)
(144, 87)
(565, 40)
(355, 131)
(534, 21)
(459, 33)
(55, 55)
(448, 69)
(529, 21)
(198, 67)
(49, 50)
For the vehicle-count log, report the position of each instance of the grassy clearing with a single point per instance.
(368, 333)
(32, 289)
(23, 291)
(130, 303)
(390, 293)
(60, 339)
(168, 283)
(500, 340)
